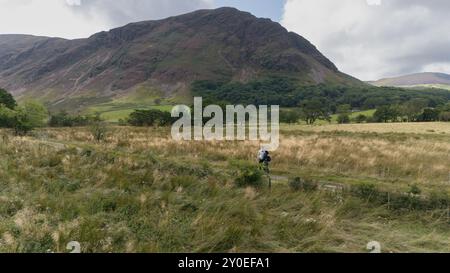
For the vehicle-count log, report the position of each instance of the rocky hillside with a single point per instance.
(158, 59)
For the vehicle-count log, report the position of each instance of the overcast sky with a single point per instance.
(368, 39)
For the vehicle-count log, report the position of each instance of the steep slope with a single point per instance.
(437, 80)
(158, 59)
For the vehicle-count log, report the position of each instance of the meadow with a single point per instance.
(140, 191)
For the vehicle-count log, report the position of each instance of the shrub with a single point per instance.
(98, 130)
(415, 190)
(249, 176)
(439, 200)
(63, 119)
(366, 191)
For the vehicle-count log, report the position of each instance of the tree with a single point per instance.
(6, 117)
(429, 114)
(289, 116)
(344, 109)
(315, 109)
(386, 114)
(24, 118)
(444, 116)
(22, 124)
(412, 109)
(35, 113)
(360, 118)
(7, 99)
(343, 119)
(150, 118)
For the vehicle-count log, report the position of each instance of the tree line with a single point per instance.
(408, 112)
(320, 102)
(289, 93)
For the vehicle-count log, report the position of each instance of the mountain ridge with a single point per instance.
(425, 79)
(163, 57)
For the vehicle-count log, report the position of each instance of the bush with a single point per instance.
(366, 191)
(63, 119)
(98, 130)
(439, 200)
(249, 176)
(415, 190)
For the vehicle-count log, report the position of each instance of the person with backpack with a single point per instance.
(264, 159)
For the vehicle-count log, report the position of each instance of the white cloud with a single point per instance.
(371, 39)
(81, 18)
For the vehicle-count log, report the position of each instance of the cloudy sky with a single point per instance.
(369, 39)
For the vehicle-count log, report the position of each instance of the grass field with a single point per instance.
(140, 191)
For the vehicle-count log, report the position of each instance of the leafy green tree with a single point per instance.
(361, 118)
(344, 109)
(413, 108)
(35, 113)
(7, 116)
(444, 116)
(429, 114)
(290, 116)
(22, 123)
(343, 118)
(314, 110)
(7, 99)
(386, 114)
(150, 118)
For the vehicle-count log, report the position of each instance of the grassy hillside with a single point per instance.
(429, 86)
(139, 191)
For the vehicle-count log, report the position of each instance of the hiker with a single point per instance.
(264, 160)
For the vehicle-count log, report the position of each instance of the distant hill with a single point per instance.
(419, 80)
(150, 61)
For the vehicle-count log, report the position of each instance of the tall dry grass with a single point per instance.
(140, 191)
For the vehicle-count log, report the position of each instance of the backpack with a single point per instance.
(263, 156)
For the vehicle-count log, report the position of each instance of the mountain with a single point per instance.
(158, 60)
(419, 80)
